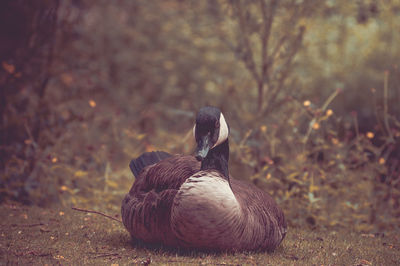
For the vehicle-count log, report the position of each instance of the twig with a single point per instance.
(28, 131)
(376, 111)
(28, 225)
(330, 99)
(323, 108)
(356, 127)
(276, 90)
(268, 15)
(106, 176)
(106, 255)
(385, 105)
(31, 252)
(96, 212)
(244, 43)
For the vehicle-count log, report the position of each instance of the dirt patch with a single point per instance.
(59, 235)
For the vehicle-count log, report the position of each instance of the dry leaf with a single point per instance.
(8, 67)
(92, 103)
(80, 173)
(364, 262)
(263, 129)
(67, 79)
(370, 135)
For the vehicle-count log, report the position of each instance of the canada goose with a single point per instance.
(179, 202)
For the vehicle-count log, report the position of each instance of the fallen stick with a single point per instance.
(96, 212)
(27, 225)
(106, 255)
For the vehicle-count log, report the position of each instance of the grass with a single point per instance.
(59, 235)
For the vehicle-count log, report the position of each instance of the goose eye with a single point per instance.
(217, 124)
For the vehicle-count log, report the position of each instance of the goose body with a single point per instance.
(178, 201)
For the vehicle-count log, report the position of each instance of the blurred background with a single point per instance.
(310, 90)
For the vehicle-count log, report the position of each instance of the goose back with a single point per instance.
(146, 208)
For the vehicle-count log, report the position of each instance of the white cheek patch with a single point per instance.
(223, 130)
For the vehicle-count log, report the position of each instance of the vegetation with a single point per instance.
(310, 89)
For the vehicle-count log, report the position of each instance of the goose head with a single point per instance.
(210, 131)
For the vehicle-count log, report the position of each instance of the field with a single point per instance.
(57, 235)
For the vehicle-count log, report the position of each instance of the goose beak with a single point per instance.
(203, 146)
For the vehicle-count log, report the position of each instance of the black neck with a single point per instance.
(217, 159)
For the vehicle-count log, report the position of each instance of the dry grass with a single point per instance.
(59, 235)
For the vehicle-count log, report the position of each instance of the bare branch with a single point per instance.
(246, 53)
(268, 14)
(286, 67)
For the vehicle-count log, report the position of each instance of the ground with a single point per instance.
(60, 235)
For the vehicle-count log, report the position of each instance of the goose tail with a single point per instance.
(147, 158)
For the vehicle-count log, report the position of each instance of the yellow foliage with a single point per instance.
(263, 129)
(316, 126)
(150, 148)
(112, 184)
(140, 136)
(80, 173)
(313, 188)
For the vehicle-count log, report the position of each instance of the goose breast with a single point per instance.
(205, 211)
(208, 213)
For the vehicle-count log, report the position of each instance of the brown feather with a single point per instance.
(146, 208)
(268, 225)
